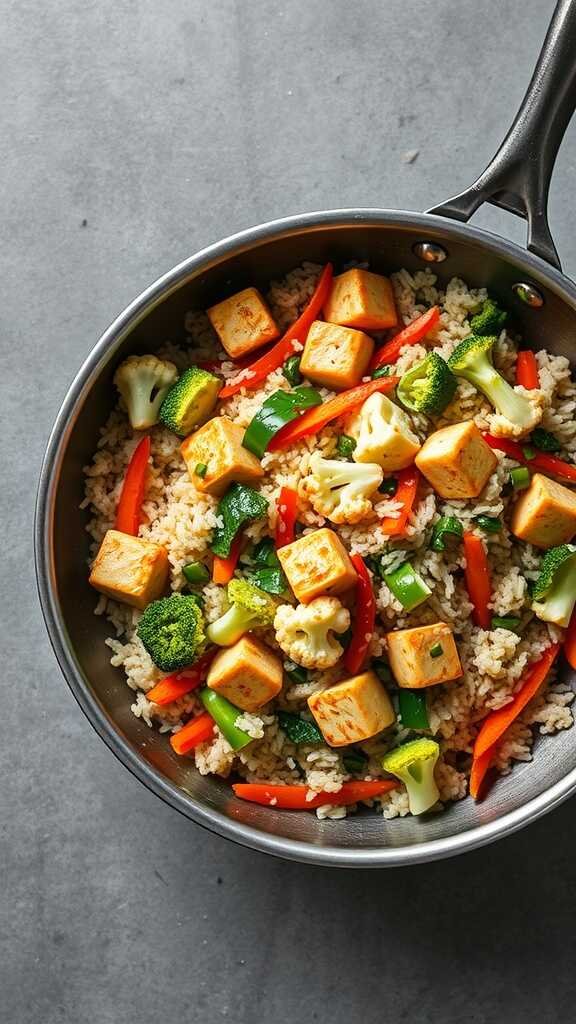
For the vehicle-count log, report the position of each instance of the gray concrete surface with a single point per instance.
(132, 134)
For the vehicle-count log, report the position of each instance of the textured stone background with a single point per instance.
(134, 133)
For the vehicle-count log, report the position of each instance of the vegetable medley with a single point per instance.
(301, 602)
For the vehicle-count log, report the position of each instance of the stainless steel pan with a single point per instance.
(543, 302)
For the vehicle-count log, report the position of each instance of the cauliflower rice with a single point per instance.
(182, 519)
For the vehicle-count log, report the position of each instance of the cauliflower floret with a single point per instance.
(341, 490)
(501, 426)
(143, 382)
(306, 633)
(383, 434)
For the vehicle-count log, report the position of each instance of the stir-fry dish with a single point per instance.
(333, 534)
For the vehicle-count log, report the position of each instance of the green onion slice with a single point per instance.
(381, 371)
(279, 409)
(407, 586)
(436, 651)
(201, 469)
(413, 709)
(520, 478)
(445, 527)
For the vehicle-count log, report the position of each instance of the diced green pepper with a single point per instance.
(407, 586)
(436, 651)
(490, 524)
(299, 730)
(413, 709)
(291, 371)
(195, 572)
(225, 714)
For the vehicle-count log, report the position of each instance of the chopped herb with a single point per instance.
(291, 371)
(345, 446)
(490, 524)
(389, 486)
(436, 651)
(545, 441)
(201, 469)
(445, 527)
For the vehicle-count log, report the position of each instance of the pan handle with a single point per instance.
(518, 178)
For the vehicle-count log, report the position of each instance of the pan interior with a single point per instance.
(386, 243)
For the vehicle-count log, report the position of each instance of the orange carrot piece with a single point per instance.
(411, 335)
(478, 579)
(132, 494)
(294, 797)
(480, 766)
(281, 351)
(198, 730)
(223, 568)
(180, 683)
(570, 642)
(406, 493)
(311, 421)
(527, 370)
(497, 722)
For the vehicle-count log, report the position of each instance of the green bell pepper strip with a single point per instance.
(195, 572)
(291, 371)
(413, 709)
(407, 586)
(225, 714)
(240, 505)
(298, 730)
(278, 409)
(446, 526)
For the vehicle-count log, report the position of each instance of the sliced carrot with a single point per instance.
(286, 516)
(480, 766)
(311, 421)
(294, 797)
(128, 513)
(497, 722)
(198, 730)
(280, 352)
(570, 642)
(180, 683)
(406, 492)
(478, 583)
(411, 335)
(527, 370)
(223, 568)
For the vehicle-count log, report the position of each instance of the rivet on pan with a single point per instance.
(529, 294)
(430, 252)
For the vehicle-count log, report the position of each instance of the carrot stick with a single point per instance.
(286, 516)
(223, 568)
(478, 582)
(406, 493)
(294, 797)
(480, 766)
(198, 730)
(132, 495)
(284, 348)
(497, 722)
(411, 334)
(527, 370)
(180, 683)
(570, 642)
(311, 421)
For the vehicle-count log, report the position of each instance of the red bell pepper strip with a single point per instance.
(280, 352)
(129, 507)
(478, 583)
(311, 421)
(294, 797)
(527, 370)
(480, 766)
(223, 568)
(570, 642)
(540, 460)
(497, 722)
(286, 516)
(181, 683)
(406, 493)
(365, 617)
(198, 730)
(411, 335)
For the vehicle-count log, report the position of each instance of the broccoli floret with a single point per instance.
(428, 387)
(341, 490)
(414, 765)
(241, 504)
(189, 403)
(249, 608)
(490, 320)
(554, 593)
(172, 631)
(472, 360)
(143, 382)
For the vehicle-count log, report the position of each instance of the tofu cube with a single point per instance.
(247, 674)
(353, 710)
(335, 357)
(545, 513)
(423, 656)
(218, 446)
(361, 299)
(457, 461)
(130, 569)
(243, 322)
(317, 563)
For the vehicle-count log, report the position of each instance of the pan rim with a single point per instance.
(124, 323)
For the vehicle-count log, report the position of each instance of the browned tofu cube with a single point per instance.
(457, 461)
(335, 357)
(361, 299)
(545, 513)
(423, 656)
(243, 322)
(317, 563)
(218, 446)
(247, 674)
(353, 710)
(130, 569)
